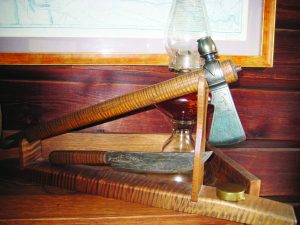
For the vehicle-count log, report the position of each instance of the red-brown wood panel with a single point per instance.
(43, 101)
(278, 169)
(269, 114)
(265, 114)
(288, 16)
(284, 74)
(144, 75)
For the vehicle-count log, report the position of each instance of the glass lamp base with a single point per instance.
(181, 139)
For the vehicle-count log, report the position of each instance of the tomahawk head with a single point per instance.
(226, 128)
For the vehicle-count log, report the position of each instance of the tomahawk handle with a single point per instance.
(153, 94)
(77, 157)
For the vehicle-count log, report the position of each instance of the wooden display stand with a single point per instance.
(166, 193)
(162, 193)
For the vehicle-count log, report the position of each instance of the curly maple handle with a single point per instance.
(154, 94)
(77, 157)
(163, 91)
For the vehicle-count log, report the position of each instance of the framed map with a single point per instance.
(126, 31)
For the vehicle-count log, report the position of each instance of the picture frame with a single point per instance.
(263, 59)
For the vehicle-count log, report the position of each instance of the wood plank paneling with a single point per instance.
(288, 16)
(144, 75)
(269, 114)
(38, 102)
(265, 114)
(278, 168)
(284, 74)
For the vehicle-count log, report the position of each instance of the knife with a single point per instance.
(139, 162)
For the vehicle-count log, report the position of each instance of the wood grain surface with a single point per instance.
(261, 159)
(200, 142)
(33, 94)
(23, 202)
(120, 105)
(219, 168)
(159, 193)
(224, 169)
(43, 209)
(110, 108)
(288, 16)
(44, 106)
(272, 156)
(42, 93)
(278, 168)
(266, 98)
(29, 152)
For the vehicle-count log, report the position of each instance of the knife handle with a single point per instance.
(77, 157)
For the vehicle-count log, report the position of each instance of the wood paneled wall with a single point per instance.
(267, 99)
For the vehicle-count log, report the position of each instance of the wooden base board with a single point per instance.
(164, 194)
(28, 203)
(159, 192)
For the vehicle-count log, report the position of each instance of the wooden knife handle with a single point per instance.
(77, 157)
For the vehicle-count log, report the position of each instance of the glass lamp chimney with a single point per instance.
(187, 24)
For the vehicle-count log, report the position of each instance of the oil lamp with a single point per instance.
(187, 24)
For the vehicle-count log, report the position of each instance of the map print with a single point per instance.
(111, 18)
(228, 18)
